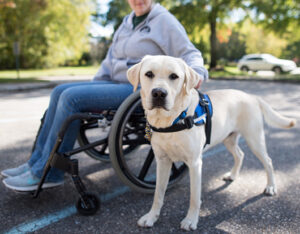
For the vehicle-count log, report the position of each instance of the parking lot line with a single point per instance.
(37, 224)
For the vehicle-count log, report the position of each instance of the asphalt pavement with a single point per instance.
(237, 207)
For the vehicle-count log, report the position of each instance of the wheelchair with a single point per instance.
(122, 142)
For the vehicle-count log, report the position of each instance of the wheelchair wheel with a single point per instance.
(93, 130)
(89, 132)
(137, 168)
(88, 204)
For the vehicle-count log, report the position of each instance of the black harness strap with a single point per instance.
(187, 124)
(203, 102)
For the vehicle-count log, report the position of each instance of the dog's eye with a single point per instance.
(173, 76)
(149, 74)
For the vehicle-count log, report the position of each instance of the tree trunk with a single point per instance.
(213, 41)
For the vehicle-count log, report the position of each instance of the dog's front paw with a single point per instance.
(270, 191)
(147, 220)
(189, 224)
(228, 177)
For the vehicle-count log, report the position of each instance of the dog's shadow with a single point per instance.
(222, 187)
(213, 220)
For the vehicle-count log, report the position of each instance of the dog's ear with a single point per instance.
(191, 78)
(133, 75)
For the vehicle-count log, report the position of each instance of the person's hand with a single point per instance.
(198, 85)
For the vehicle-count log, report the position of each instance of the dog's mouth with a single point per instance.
(159, 104)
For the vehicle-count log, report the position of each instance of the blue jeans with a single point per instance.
(66, 100)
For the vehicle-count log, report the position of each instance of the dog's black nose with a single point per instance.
(159, 93)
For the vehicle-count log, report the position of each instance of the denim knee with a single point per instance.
(67, 101)
(57, 91)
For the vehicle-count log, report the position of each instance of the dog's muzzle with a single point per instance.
(159, 98)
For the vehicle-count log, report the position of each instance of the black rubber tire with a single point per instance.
(245, 69)
(141, 179)
(277, 70)
(93, 204)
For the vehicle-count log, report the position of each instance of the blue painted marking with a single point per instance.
(42, 222)
(117, 192)
(70, 210)
(57, 216)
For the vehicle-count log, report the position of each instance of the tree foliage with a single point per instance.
(49, 32)
(293, 46)
(233, 48)
(52, 32)
(204, 21)
(281, 17)
(276, 15)
(261, 41)
(195, 14)
(118, 9)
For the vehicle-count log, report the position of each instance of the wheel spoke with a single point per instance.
(103, 148)
(175, 170)
(128, 131)
(146, 165)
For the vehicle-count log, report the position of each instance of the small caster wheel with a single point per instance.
(88, 204)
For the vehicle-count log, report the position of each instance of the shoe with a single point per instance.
(16, 171)
(27, 182)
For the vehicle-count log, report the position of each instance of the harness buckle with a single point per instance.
(189, 122)
(203, 102)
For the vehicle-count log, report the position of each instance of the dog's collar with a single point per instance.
(203, 114)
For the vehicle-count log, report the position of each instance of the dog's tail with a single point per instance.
(273, 118)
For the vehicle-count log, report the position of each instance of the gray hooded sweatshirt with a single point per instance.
(159, 34)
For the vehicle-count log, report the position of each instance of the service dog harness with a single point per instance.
(203, 114)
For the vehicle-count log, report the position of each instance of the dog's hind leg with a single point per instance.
(231, 143)
(256, 142)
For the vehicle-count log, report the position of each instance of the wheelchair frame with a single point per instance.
(125, 136)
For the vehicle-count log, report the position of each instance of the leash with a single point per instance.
(203, 114)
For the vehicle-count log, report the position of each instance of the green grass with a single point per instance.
(21, 80)
(34, 75)
(226, 72)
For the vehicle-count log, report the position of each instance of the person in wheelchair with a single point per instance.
(148, 29)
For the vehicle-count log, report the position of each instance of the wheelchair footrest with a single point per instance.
(88, 203)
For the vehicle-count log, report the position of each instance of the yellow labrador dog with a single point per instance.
(167, 89)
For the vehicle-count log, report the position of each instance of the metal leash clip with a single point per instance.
(148, 132)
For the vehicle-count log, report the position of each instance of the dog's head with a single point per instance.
(164, 81)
